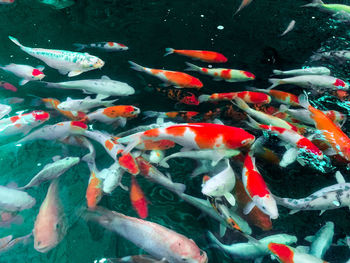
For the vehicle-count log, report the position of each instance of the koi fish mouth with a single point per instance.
(99, 64)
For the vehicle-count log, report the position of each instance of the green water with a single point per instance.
(147, 28)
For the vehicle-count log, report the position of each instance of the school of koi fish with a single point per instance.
(243, 131)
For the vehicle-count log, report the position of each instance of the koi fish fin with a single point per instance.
(98, 97)
(277, 72)
(23, 82)
(119, 122)
(241, 104)
(289, 157)
(310, 238)
(275, 83)
(63, 72)
(203, 98)
(230, 199)
(179, 188)
(248, 208)
(339, 177)
(321, 212)
(74, 73)
(330, 152)
(292, 212)
(303, 101)
(105, 77)
(303, 249)
(136, 66)
(79, 46)
(168, 51)
(163, 163)
(314, 3)
(109, 103)
(40, 67)
(192, 67)
(132, 140)
(243, 5)
(283, 108)
(150, 114)
(5, 240)
(15, 40)
(252, 123)
(222, 229)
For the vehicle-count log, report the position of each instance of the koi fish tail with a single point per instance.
(275, 83)
(79, 46)
(258, 144)
(109, 103)
(243, 5)
(304, 102)
(15, 40)
(136, 66)
(132, 141)
(214, 240)
(192, 67)
(168, 51)
(277, 72)
(283, 108)
(314, 3)
(203, 98)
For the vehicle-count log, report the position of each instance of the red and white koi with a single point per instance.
(50, 225)
(56, 131)
(287, 254)
(23, 123)
(339, 141)
(138, 199)
(175, 78)
(263, 117)
(25, 72)
(159, 241)
(281, 96)
(105, 46)
(247, 96)
(114, 113)
(205, 56)
(194, 136)
(312, 82)
(257, 189)
(229, 75)
(73, 63)
(51, 103)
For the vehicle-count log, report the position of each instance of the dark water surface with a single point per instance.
(249, 40)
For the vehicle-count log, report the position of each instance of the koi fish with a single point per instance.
(4, 110)
(159, 241)
(138, 199)
(136, 259)
(304, 71)
(263, 117)
(257, 190)
(331, 8)
(8, 86)
(222, 183)
(339, 141)
(287, 254)
(103, 86)
(23, 123)
(13, 200)
(105, 46)
(331, 197)
(112, 177)
(229, 75)
(214, 156)
(50, 225)
(178, 115)
(58, 4)
(114, 113)
(25, 72)
(6, 2)
(243, 5)
(73, 63)
(51, 103)
(247, 96)
(56, 131)
(290, 137)
(205, 56)
(52, 171)
(281, 96)
(194, 136)
(85, 104)
(177, 79)
(151, 173)
(290, 27)
(322, 240)
(7, 243)
(312, 82)
(155, 156)
(340, 55)
(250, 250)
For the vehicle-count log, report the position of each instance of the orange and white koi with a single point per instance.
(194, 136)
(50, 225)
(247, 96)
(282, 96)
(138, 199)
(263, 117)
(178, 115)
(339, 141)
(73, 115)
(291, 137)
(105, 46)
(175, 78)
(257, 189)
(94, 190)
(287, 254)
(115, 150)
(23, 123)
(205, 56)
(229, 75)
(56, 131)
(243, 5)
(114, 113)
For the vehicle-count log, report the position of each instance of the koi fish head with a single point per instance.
(37, 74)
(190, 100)
(267, 204)
(249, 75)
(128, 162)
(93, 62)
(284, 253)
(196, 83)
(40, 116)
(220, 58)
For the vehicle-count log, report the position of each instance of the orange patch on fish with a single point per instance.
(176, 131)
(128, 162)
(138, 199)
(225, 73)
(109, 145)
(152, 133)
(158, 145)
(283, 252)
(93, 191)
